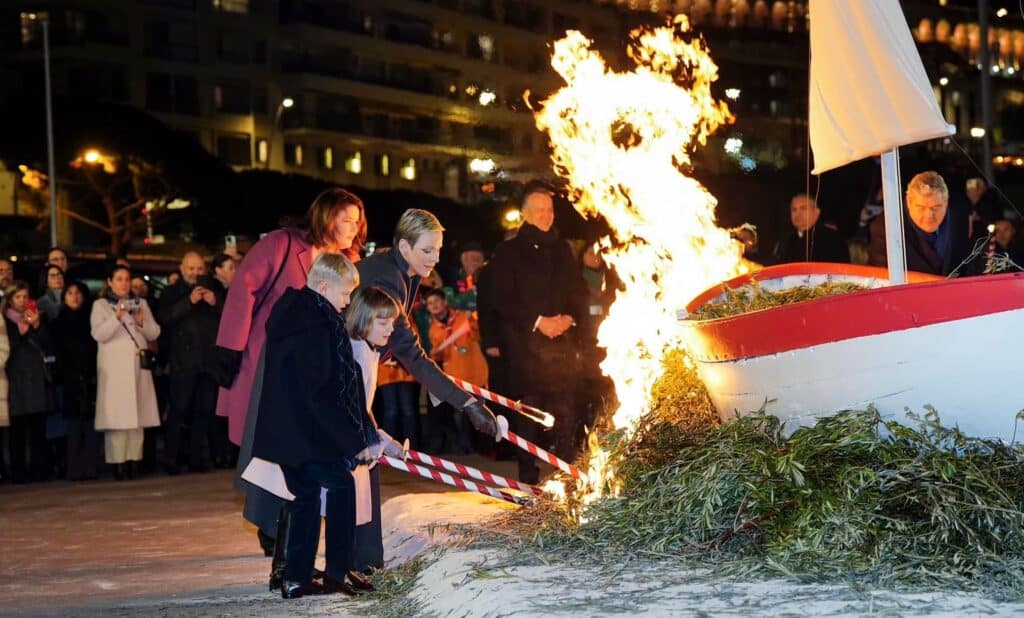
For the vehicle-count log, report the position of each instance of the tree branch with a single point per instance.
(85, 220)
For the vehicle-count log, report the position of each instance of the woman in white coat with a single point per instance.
(123, 325)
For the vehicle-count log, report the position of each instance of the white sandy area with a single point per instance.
(473, 582)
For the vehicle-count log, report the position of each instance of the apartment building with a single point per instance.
(387, 94)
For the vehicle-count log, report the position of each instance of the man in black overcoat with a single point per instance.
(189, 313)
(540, 302)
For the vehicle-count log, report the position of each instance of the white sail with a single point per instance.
(868, 89)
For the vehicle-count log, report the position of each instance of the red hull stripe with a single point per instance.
(847, 316)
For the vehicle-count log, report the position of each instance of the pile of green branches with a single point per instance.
(856, 498)
(752, 297)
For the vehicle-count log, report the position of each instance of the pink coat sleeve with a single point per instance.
(250, 284)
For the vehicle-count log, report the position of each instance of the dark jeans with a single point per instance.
(304, 534)
(83, 447)
(447, 431)
(560, 439)
(29, 450)
(398, 412)
(193, 397)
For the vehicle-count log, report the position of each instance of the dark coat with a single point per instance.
(532, 275)
(389, 272)
(76, 356)
(822, 243)
(920, 257)
(312, 404)
(29, 374)
(192, 329)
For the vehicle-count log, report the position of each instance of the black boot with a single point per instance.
(118, 471)
(280, 561)
(266, 542)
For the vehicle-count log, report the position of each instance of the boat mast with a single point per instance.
(892, 207)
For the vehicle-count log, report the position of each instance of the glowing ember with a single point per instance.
(620, 140)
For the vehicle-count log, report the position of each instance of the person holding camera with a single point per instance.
(30, 373)
(123, 326)
(189, 311)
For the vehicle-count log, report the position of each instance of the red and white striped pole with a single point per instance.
(530, 412)
(447, 479)
(538, 452)
(469, 471)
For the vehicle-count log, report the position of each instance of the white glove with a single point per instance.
(391, 447)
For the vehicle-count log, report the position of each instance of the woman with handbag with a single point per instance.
(123, 326)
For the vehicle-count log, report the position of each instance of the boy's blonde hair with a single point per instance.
(368, 304)
(333, 268)
(413, 223)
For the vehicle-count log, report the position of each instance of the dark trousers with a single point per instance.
(29, 451)
(83, 447)
(560, 439)
(447, 431)
(193, 397)
(304, 535)
(398, 413)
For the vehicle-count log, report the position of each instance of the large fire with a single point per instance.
(622, 141)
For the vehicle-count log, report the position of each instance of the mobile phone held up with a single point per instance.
(230, 243)
(31, 306)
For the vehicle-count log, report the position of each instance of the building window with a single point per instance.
(327, 158)
(481, 47)
(262, 150)
(354, 163)
(234, 149)
(232, 6)
(232, 47)
(231, 97)
(408, 169)
(170, 40)
(259, 100)
(524, 15)
(383, 165)
(177, 94)
(293, 154)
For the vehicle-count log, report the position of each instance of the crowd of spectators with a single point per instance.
(129, 377)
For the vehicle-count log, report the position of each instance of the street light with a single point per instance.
(286, 103)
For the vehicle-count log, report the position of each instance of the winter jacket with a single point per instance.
(192, 328)
(30, 370)
(125, 398)
(76, 356)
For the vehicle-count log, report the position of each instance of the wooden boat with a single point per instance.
(953, 344)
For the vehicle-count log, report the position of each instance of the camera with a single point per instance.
(230, 242)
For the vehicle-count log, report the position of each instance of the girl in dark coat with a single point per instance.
(76, 354)
(29, 371)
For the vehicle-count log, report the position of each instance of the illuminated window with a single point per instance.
(232, 6)
(293, 154)
(383, 165)
(262, 150)
(408, 170)
(354, 163)
(327, 158)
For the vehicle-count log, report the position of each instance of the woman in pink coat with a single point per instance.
(334, 223)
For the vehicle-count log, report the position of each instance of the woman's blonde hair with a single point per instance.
(413, 223)
(368, 304)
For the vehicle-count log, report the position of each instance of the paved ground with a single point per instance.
(153, 546)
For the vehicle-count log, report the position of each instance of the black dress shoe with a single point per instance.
(132, 470)
(296, 590)
(333, 585)
(118, 471)
(360, 582)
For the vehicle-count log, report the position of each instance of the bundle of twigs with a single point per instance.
(752, 297)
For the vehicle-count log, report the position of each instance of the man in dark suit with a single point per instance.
(935, 231)
(540, 304)
(811, 240)
(189, 313)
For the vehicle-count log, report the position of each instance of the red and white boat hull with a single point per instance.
(952, 344)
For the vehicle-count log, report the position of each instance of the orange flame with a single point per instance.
(621, 140)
